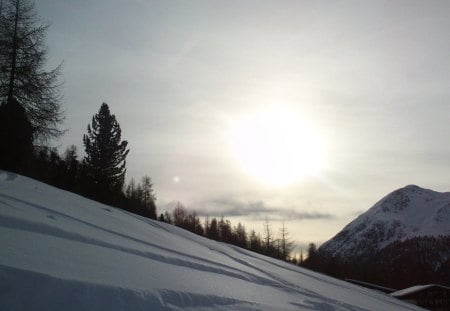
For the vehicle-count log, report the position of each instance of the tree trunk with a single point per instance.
(14, 55)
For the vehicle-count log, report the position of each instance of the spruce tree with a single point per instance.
(148, 197)
(255, 241)
(71, 168)
(23, 75)
(105, 155)
(213, 231)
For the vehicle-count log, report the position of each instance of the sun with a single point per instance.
(277, 146)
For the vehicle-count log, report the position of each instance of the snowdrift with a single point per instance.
(60, 251)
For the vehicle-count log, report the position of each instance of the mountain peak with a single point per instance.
(400, 241)
(413, 188)
(403, 214)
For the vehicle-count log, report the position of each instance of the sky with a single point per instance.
(302, 111)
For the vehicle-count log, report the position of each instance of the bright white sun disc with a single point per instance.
(277, 147)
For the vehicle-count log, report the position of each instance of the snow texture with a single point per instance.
(406, 213)
(60, 251)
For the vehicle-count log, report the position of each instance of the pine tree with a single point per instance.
(312, 250)
(207, 226)
(255, 241)
(161, 218)
(133, 194)
(148, 197)
(225, 233)
(105, 155)
(301, 259)
(22, 68)
(241, 235)
(213, 230)
(72, 167)
(312, 260)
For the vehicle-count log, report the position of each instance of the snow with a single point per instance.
(60, 251)
(415, 289)
(425, 212)
(403, 214)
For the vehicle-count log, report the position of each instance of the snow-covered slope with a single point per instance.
(406, 213)
(60, 251)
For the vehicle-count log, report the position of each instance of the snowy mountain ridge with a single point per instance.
(60, 251)
(409, 212)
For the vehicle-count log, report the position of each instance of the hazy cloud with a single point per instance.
(230, 207)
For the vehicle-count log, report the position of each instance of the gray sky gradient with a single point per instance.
(373, 76)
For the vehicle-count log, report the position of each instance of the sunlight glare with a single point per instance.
(278, 147)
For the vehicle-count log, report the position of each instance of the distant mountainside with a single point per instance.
(405, 237)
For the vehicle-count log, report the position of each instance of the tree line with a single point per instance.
(220, 229)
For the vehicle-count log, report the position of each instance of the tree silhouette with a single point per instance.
(268, 238)
(255, 242)
(286, 244)
(213, 230)
(72, 166)
(105, 155)
(241, 235)
(16, 136)
(312, 261)
(148, 197)
(22, 68)
(179, 215)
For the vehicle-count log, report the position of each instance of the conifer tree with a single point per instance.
(105, 155)
(311, 261)
(23, 75)
(161, 218)
(241, 235)
(225, 233)
(213, 230)
(72, 167)
(148, 197)
(255, 241)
